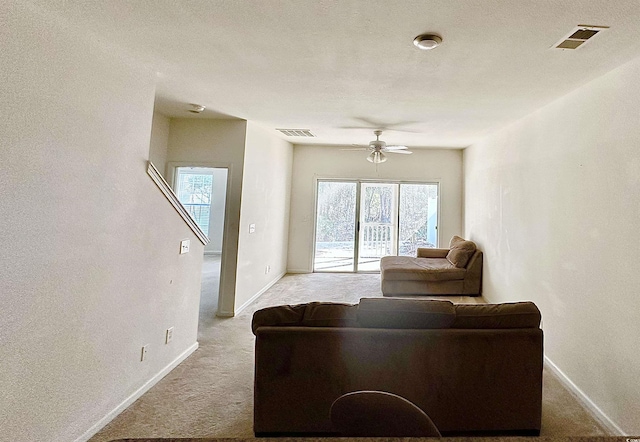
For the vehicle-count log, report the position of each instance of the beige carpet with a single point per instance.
(211, 393)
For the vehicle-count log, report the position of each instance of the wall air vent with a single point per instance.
(578, 36)
(296, 132)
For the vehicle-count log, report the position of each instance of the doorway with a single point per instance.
(358, 222)
(203, 192)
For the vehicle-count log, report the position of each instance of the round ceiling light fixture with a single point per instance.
(196, 108)
(427, 42)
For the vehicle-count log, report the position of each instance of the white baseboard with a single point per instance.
(595, 411)
(212, 252)
(257, 295)
(136, 395)
(299, 271)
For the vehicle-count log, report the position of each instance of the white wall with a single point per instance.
(266, 192)
(218, 204)
(554, 202)
(313, 162)
(90, 269)
(216, 143)
(159, 143)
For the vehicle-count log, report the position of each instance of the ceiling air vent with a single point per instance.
(297, 132)
(578, 36)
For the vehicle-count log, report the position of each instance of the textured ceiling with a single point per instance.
(344, 67)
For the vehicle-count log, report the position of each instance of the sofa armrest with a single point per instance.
(424, 252)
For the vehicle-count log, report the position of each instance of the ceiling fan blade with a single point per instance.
(382, 128)
(392, 147)
(358, 148)
(406, 152)
(372, 123)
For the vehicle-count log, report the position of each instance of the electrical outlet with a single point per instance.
(266, 270)
(169, 335)
(184, 246)
(143, 353)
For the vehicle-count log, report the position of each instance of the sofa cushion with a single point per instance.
(460, 251)
(425, 252)
(405, 313)
(313, 314)
(507, 315)
(406, 268)
(330, 314)
(278, 315)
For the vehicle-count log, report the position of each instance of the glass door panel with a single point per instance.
(378, 224)
(418, 217)
(335, 227)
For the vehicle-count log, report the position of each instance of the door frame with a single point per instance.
(224, 299)
(316, 179)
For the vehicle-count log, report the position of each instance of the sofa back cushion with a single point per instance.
(312, 314)
(401, 314)
(460, 251)
(508, 315)
(278, 315)
(405, 313)
(330, 314)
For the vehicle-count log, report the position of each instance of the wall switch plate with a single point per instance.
(252, 228)
(169, 335)
(143, 353)
(184, 246)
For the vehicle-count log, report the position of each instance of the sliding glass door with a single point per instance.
(378, 224)
(359, 222)
(335, 244)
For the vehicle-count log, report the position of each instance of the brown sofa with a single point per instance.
(475, 369)
(453, 271)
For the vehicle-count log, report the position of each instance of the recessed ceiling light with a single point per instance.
(427, 41)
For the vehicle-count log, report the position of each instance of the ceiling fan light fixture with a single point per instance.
(427, 42)
(376, 157)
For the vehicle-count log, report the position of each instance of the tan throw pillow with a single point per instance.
(460, 251)
(455, 240)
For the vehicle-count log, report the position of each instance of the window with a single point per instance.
(194, 187)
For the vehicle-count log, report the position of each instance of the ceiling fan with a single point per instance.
(379, 147)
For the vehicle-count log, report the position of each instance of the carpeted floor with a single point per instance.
(211, 393)
(209, 289)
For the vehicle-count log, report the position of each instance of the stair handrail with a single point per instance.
(168, 192)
